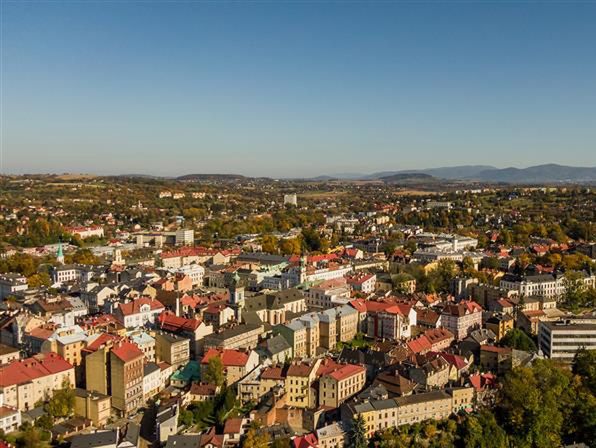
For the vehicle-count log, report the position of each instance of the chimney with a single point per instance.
(178, 304)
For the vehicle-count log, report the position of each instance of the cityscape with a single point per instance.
(297, 224)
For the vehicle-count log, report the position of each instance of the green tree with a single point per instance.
(214, 372)
(584, 365)
(357, 435)
(61, 405)
(519, 340)
(482, 431)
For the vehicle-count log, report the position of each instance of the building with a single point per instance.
(460, 319)
(68, 342)
(562, 339)
(299, 384)
(338, 382)
(138, 312)
(8, 354)
(116, 369)
(185, 237)
(24, 383)
(541, 285)
(291, 199)
(195, 272)
(152, 383)
(173, 349)
(11, 284)
(240, 336)
(93, 406)
(85, 232)
(362, 282)
(10, 418)
(236, 363)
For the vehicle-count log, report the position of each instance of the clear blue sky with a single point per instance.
(295, 88)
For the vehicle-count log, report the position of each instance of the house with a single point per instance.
(10, 419)
(338, 382)
(202, 392)
(332, 436)
(236, 363)
(362, 282)
(300, 378)
(93, 406)
(171, 348)
(138, 312)
(460, 319)
(25, 382)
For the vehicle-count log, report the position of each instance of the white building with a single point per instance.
(561, 340)
(196, 272)
(185, 237)
(152, 382)
(10, 418)
(541, 285)
(139, 312)
(86, 231)
(291, 199)
(12, 283)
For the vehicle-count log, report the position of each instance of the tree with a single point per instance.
(214, 372)
(357, 435)
(519, 340)
(575, 290)
(482, 431)
(269, 244)
(39, 280)
(254, 439)
(584, 365)
(61, 405)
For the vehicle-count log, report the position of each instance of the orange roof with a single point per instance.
(273, 373)
(419, 345)
(102, 339)
(301, 369)
(127, 351)
(228, 357)
(233, 426)
(38, 366)
(435, 335)
(170, 322)
(134, 306)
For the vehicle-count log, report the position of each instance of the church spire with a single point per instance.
(60, 253)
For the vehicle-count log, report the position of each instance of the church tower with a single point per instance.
(236, 297)
(60, 253)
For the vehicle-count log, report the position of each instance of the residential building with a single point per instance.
(23, 383)
(93, 406)
(561, 340)
(460, 319)
(9, 354)
(138, 312)
(338, 382)
(151, 380)
(236, 363)
(11, 284)
(299, 381)
(173, 349)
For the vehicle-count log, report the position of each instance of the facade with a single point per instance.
(11, 284)
(462, 318)
(340, 382)
(93, 406)
(185, 237)
(175, 350)
(299, 381)
(10, 419)
(151, 380)
(138, 312)
(542, 285)
(23, 383)
(236, 363)
(561, 340)
(8, 354)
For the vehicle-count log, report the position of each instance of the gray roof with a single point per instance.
(277, 344)
(95, 440)
(185, 441)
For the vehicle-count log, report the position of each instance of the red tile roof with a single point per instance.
(127, 351)
(170, 322)
(419, 345)
(306, 441)
(228, 358)
(301, 369)
(134, 306)
(233, 426)
(273, 373)
(38, 366)
(102, 339)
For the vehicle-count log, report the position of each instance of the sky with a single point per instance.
(295, 88)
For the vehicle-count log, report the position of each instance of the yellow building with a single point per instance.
(174, 350)
(299, 380)
(339, 382)
(93, 406)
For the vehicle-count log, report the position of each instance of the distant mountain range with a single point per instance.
(485, 173)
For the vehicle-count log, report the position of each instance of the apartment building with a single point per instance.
(339, 382)
(436, 405)
(173, 349)
(561, 340)
(460, 319)
(116, 369)
(139, 312)
(24, 383)
(237, 364)
(93, 406)
(11, 284)
(299, 381)
(9, 354)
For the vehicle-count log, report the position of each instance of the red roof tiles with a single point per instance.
(38, 366)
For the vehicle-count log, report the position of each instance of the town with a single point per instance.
(227, 311)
